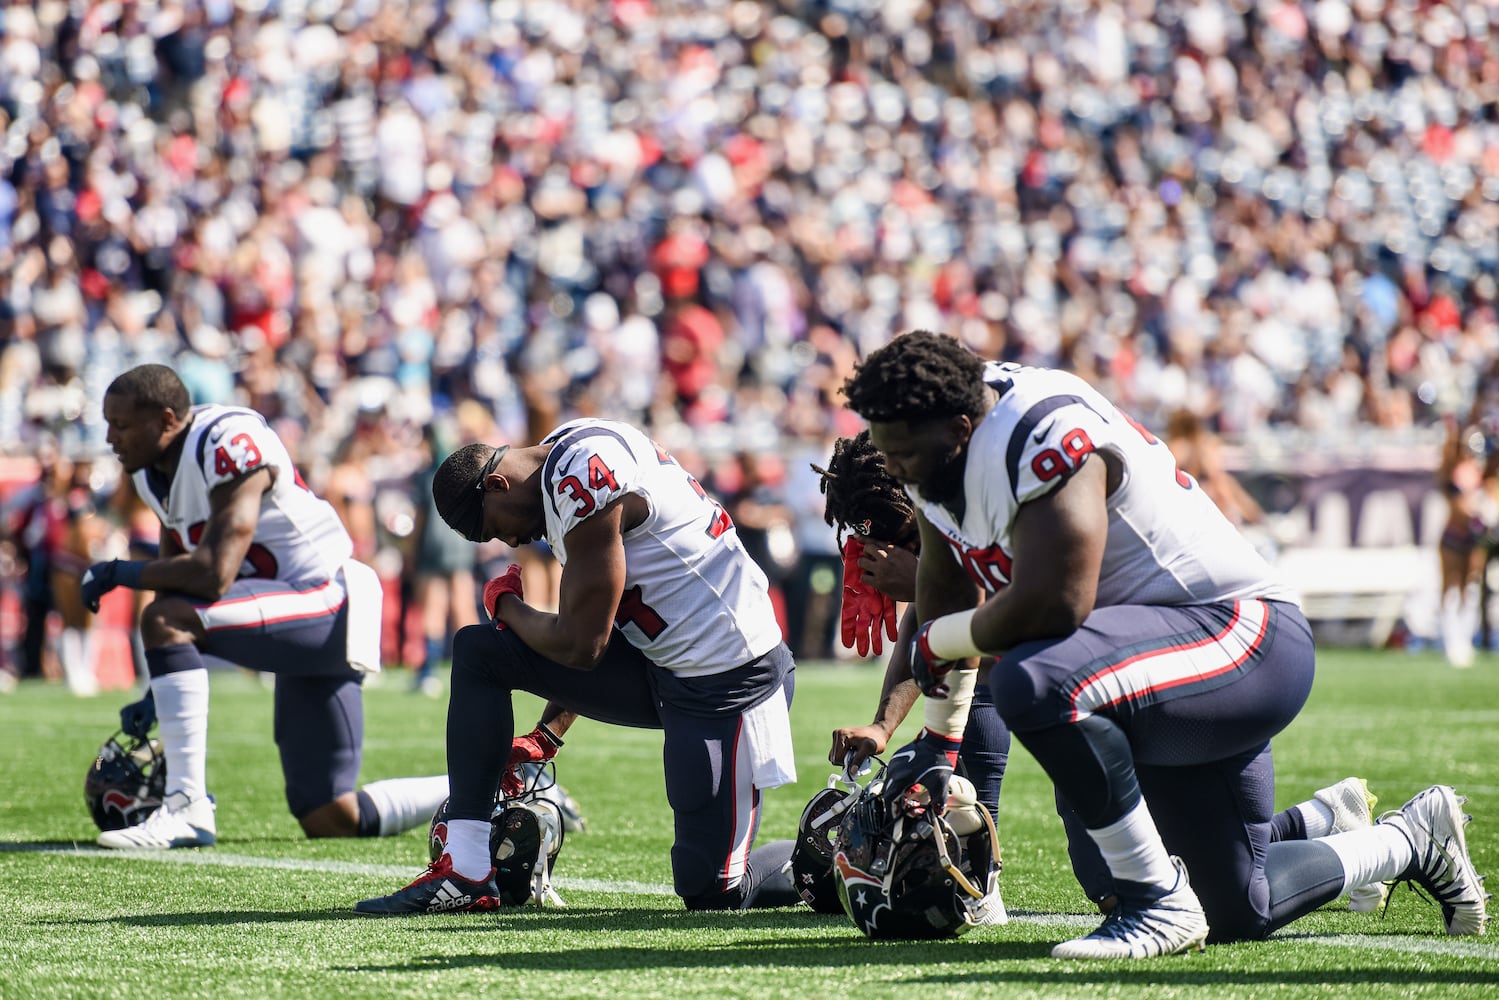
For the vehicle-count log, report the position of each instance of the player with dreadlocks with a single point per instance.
(876, 524)
(1145, 654)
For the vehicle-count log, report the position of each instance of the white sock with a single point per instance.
(1317, 817)
(1457, 636)
(468, 846)
(182, 710)
(75, 652)
(1468, 611)
(1133, 850)
(1377, 854)
(403, 803)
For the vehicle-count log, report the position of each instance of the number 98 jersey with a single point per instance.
(1168, 544)
(694, 601)
(298, 538)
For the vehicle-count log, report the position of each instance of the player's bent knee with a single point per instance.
(695, 878)
(168, 620)
(720, 899)
(1241, 924)
(338, 818)
(470, 645)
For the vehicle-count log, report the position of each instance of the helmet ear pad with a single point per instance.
(125, 783)
(812, 856)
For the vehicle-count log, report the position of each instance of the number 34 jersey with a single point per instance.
(298, 539)
(694, 601)
(1168, 544)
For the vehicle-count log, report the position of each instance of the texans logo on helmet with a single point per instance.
(867, 901)
(439, 839)
(116, 801)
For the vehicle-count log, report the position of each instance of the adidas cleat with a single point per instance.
(178, 823)
(439, 889)
(1434, 821)
(1352, 806)
(1169, 925)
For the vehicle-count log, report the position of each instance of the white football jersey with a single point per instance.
(299, 538)
(694, 601)
(1167, 544)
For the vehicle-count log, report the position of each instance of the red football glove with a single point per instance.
(536, 747)
(506, 583)
(865, 609)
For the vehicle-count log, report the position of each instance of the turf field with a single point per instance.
(266, 913)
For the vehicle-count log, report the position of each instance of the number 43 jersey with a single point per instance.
(1168, 544)
(298, 539)
(694, 601)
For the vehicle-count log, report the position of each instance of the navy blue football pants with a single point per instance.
(715, 806)
(1178, 704)
(319, 704)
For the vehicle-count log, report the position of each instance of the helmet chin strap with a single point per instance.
(939, 836)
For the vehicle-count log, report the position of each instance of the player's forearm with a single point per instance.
(184, 574)
(558, 719)
(898, 692)
(552, 636)
(895, 705)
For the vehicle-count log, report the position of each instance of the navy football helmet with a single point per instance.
(816, 839)
(126, 782)
(902, 876)
(525, 837)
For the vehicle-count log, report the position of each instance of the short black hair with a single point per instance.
(861, 493)
(918, 376)
(456, 487)
(152, 386)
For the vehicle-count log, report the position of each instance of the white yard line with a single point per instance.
(225, 860)
(1466, 948)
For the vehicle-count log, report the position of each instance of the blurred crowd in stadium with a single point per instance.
(394, 227)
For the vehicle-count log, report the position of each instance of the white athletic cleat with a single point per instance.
(1434, 822)
(178, 823)
(1167, 926)
(1352, 806)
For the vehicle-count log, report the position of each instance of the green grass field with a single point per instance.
(266, 913)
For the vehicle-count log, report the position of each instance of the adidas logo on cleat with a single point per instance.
(448, 898)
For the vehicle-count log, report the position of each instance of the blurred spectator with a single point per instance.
(1199, 453)
(814, 587)
(1467, 477)
(443, 567)
(751, 487)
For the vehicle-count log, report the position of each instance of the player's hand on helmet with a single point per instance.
(137, 718)
(536, 747)
(917, 777)
(506, 583)
(853, 745)
(98, 580)
(928, 670)
(866, 611)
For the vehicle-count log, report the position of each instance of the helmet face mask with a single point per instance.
(541, 785)
(914, 877)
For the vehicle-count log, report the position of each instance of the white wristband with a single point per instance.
(949, 716)
(951, 636)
